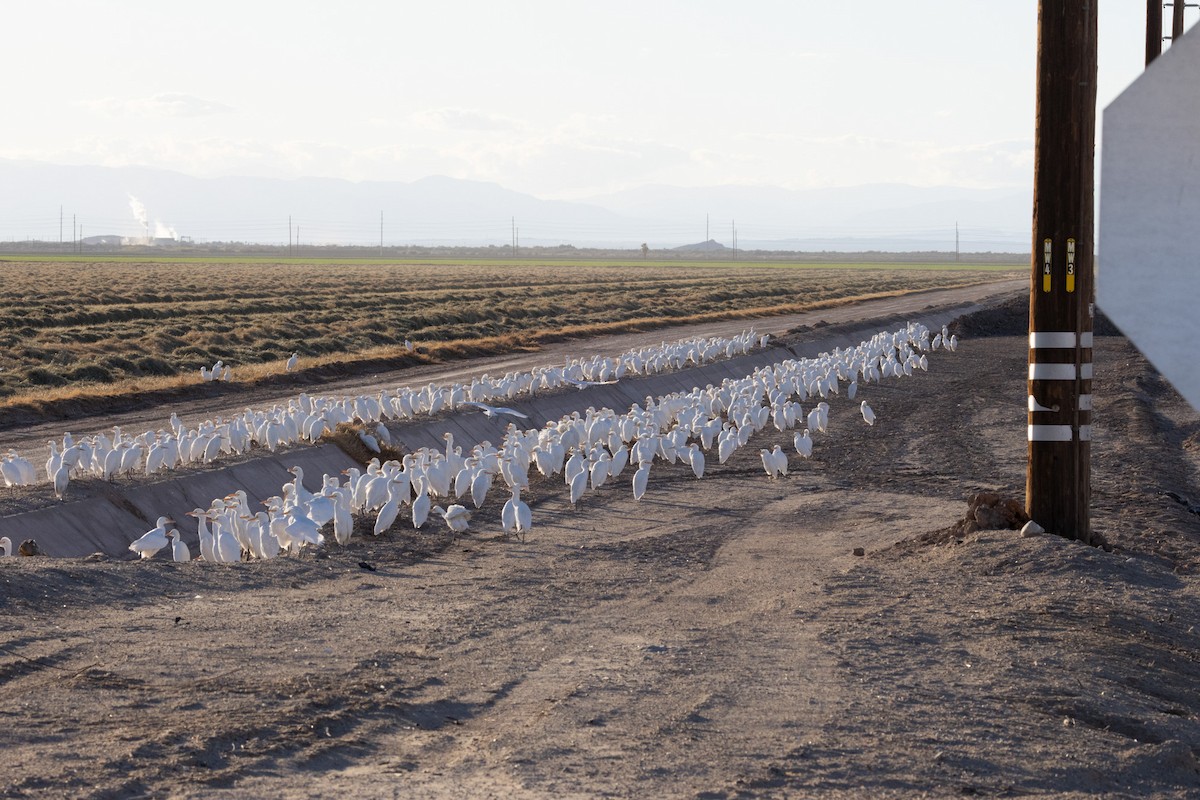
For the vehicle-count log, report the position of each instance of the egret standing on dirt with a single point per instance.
(457, 517)
(152, 540)
(803, 443)
(640, 479)
(516, 516)
(179, 551)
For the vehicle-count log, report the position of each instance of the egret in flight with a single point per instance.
(584, 384)
(493, 411)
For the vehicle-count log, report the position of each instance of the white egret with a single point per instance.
(480, 484)
(303, 530)
(420, 505)
(578, 485)
(152, 540)
(206, 538)
(867, 414)
(727, 444)
(599, 470)
(456, 516)
(268, 542)
(226, 548)
(575, 465)
(803, 443)
(585, 384)
(774, 462)
(389, 511)
(640, 479)
(179, 551)
(515, 516)
(493, 411)
(343, 521)
(62, 477)
(320, 509)
(369, 441)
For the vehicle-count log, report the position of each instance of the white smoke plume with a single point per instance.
(161, 231)
(139, 213)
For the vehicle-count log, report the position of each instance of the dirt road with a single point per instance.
(718, 639)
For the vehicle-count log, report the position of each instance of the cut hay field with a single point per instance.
(105, 327)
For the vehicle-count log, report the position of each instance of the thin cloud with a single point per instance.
(463, 119)
(163, 104)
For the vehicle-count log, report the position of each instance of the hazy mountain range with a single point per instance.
(140, 202)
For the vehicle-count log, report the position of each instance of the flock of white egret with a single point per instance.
(305, 419)
(588, 449)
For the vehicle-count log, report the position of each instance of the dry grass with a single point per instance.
(70, 330)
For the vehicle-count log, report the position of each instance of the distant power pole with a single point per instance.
(1153, 30)
(514, 236)
(289, 236)
(381, 234)
(1058, 479)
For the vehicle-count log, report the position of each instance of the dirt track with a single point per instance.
(718, 639)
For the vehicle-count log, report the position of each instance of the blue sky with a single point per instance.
(558, 99)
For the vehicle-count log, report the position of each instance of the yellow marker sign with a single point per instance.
(1046, 265)
(1070, 265)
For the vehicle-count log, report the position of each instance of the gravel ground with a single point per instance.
(718, 639)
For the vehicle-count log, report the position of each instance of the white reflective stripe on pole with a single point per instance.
(1050, 433)
(1052, 372)
(1051, 339)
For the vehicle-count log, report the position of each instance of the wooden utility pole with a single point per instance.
(1176, 20)
(1153, 30)
(1058, 480)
